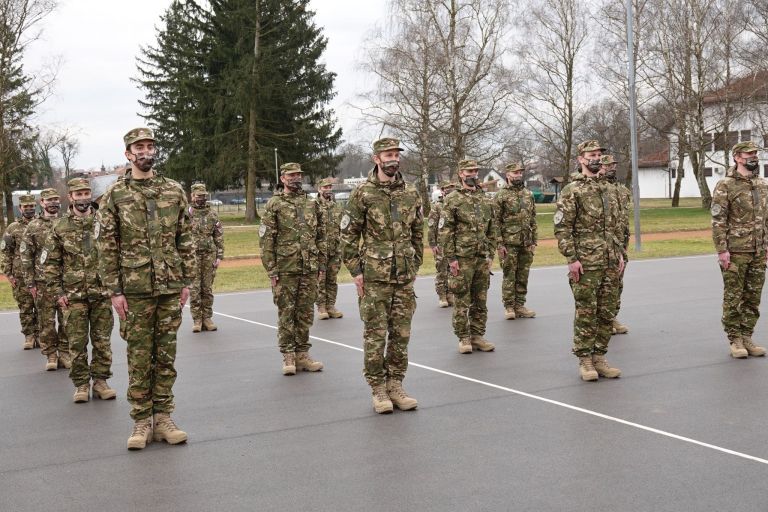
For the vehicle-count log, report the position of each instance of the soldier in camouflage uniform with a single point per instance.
(32, 251)
(327, 288)
(382, 232)
(69, 269)
(146, 262)
(208, 236)
(608, 172)
(740, 233)
(12, 269)
(588, 231)
(515, 212)
(292, 238)
(441, 264)
(467, 238)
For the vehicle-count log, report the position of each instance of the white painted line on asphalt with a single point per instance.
(535, 397)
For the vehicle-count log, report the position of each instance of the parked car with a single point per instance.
(214, 202)
(237, 201)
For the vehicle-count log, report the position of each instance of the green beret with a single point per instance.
(138, 134)
(744, 147)
(590, 145)
(289, 168)
(468, 165)
(386, 144)
(49, 193)
(78, 184)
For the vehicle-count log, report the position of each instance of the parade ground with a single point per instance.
(683, 429)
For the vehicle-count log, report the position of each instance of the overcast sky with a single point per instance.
(97, 42)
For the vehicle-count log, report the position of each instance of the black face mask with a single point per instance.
(594, 165)
(515, 182)
(753, 166)
(144, 163)
(28, 213)
(328, 196)
(390, 167)
(293, 186)
(82, 205)
(471, 181)
(199, 202)
(53, 208)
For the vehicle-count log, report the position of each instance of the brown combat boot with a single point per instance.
(752, 349)
(102, 390)
(322, 313)
(381, 401)
(524, 312)
(81, 394)
(618, 327)
(509, 313)
(465, 346)
(306, 363)
(141, 435)
(737, 349)
(52, 363)
(65, 361)
(29, 342)
(208, 325)
(164, 429)
(442, 301)
(197, 325)
(289, 363)
(334, 313)
(587, 368)
(603, 368)
(399, 397)
(481, 344)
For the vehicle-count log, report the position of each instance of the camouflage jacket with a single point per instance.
(433, 221)
(11, 246)
(292, 235)
(332, 213)
(207, 231)
(382, 231)
(70, 265)
(467, 226)
(516, 217)
(624, 199)
(144, 238)
(587, 224)
(31, 249)
(740, 213)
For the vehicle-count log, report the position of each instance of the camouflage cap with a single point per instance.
(199, 189)
(514, 167)
(386, 144)
(290, 168)
(447, 184)
(78, 184)
(138, 134)
(49, 193)
(326, 181)
(589, 145)
(607, 160)
(468, 165)
(27, 199)
(744, 147)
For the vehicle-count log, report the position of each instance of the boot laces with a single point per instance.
(168, 422)
(140, 428)
(83, 387)
(381, 394)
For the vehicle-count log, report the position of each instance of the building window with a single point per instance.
(673, 173)
(733, 139)
(707, 142)
(719, 142)
(765, 140)
(765, 170)
(707, 172)
(746, 136)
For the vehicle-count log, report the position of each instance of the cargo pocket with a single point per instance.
(137, 275)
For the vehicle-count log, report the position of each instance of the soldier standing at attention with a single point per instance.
(441, 264)
(208, 236)
(467, 238)
(292, 238)
(587, 230)
(515, 212)
(382, 234)
(146, 262)
(70, 270)
(54, 343)
(10, 246)
(608, 172)
(327, 287)
(739, 217)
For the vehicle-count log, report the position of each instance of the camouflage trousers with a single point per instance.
(201, 290)
(597, 297)
(149, 330)
(742, 290)
(294, 295)
(53, 339)
(386, 310)
(84, 318)
(470, 296)
(516, 267)
(327, 289)
(621, 289)
(27, 309)
(441, 276)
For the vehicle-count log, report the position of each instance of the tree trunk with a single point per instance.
(678, 179)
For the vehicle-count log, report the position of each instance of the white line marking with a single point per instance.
(536, 397)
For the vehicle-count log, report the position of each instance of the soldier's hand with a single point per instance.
(13, 281)
(454, 268)
(621, 264)
(120, 304)
(273, 281)
(532, 249)
(321, 275)
(184, 296)
(33, 292)
(359, 285)
(63, 302)
(575, 270)
(724, 258)
(435, 250)
(216, 263)
(502, 252)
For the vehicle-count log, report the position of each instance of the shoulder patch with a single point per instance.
(558, 216)
(345, 220)
(716, 209)
(262, 230)
(96, 230)
(2, 245)
(43, 256)
(430, 222)
(441, 223)
(23, 247)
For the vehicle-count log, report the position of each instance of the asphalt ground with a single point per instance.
(516, 429)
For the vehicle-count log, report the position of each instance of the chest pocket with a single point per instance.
(742, 205)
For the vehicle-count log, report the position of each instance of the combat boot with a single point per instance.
(450, 299)
(334, 313)
(197, 325)
(65, 361)
(481, 344)
(306, 363)
(465, 346)
(208, 325)
(603, 368)
(29, 342)
(737, 349)
(509, 313)
(524, 312)
(442, 301)
(102, 390)
(587, 368)
(322, 313)
(141, 435)
(164, 429)
(381, 402)
(618, 327)
(399, 397)
(752, 349)
(289, 363)
(52, 363)
(81, 394)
